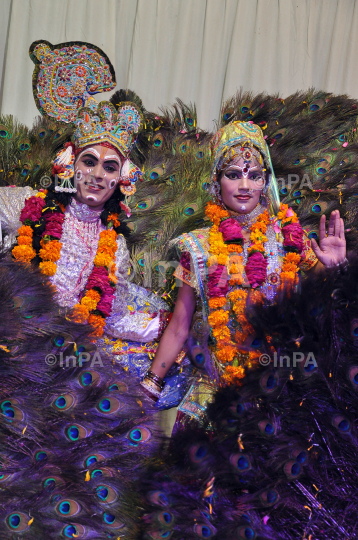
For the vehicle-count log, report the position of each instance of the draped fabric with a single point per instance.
(199, 50)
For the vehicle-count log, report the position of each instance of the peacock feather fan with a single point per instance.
(75, 432)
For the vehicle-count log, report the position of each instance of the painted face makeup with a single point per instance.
(242, 184)
(97, 173)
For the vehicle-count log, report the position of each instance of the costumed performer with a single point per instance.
(73, 230)
(254, 247)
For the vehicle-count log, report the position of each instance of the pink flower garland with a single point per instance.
(293, 236)
(256, 269)
(231, 231)
(54, 223)
(32, 209)
(99, 278)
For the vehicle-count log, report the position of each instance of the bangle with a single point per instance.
(151, 388)
(154, 378)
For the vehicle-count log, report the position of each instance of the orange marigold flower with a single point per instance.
(234, 248)
(215, 303)
(289, 267)
(93, 294)
(221, 333)
(109, 235)
(256, 247)
(23, 253)
(258, 237)
(226, 354)
(24, 240)
(292, 257)
(233, 375)
(236, 279)
(215, 212)
(25, 230)
(218, 318)
(212, 260)
(103, 259)
(91, 299)
(41, 194)
(114, 218)
(50, 250)
(281, 214)
(98, 323)
(48, 268)
(80, 313)
(288, 276)
(238, 294)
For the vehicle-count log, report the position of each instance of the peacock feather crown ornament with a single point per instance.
(65, 78)
(242, 134)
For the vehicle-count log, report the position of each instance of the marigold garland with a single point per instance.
(229, 353)
(89, 309)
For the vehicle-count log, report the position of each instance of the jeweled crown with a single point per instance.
(65, 78)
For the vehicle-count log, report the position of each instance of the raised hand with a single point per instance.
(332, 245)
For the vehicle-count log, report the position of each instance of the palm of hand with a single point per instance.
(332, 248)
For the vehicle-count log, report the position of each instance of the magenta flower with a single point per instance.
(293, 236)
(218, 281)
(231, 231)
(32, 209)
(99, 278)
(54, 222)
(105, 304)
(256, 269)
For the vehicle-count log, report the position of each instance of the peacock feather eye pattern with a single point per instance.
(111, 521)
(269, 382)
(109, 405)
(292, 469)
(246, 533)
(269, 497)
(204, 531)
(74, 530)
(68, 508)
(89, 378)
(198, 453)
(106, 494)
(18, 522)
(240, 462)
(64, 402)
(139, 435)
(341, 423)
(75, 432)
(353, 376)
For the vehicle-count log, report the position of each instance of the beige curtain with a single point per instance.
(199, 50)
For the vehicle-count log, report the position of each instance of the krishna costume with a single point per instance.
(83, 251)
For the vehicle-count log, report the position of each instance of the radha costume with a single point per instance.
(227, 272)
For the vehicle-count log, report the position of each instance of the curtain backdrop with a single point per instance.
(199, 50)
